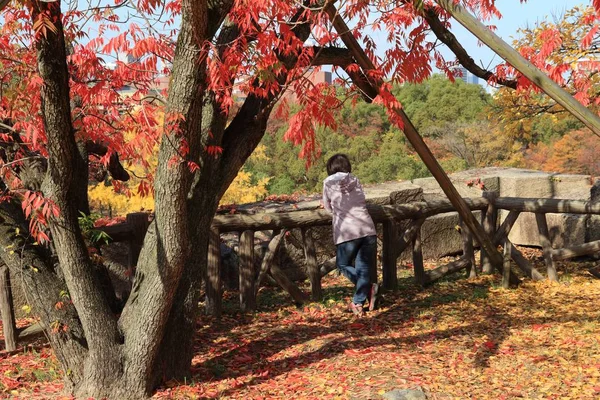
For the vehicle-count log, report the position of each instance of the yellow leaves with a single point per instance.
(103, 197)
(242, 190)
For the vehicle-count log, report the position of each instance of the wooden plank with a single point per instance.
(546, 245)
(7, 309)
(373, 265)
(515, 59)
(417, 142)
(501, 236)
(389, 255)
(506, 265)
(381, 213)
(310, 218)
(118, 232)
(213, 303)
(524, 265)
(269, 257)
(548, 205)
(417, 253)
(327, 266)
(468, 252)
(409, 235)
(489, 226)
(246, 275)
(450, 268)
(286, 283)
(576, 251)
(32, 331)
(312, 269)
(506, 226)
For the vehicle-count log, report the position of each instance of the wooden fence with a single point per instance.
(401, 227)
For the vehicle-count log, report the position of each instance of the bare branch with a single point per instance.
(3, 3)
(332, 56)
(448, 38)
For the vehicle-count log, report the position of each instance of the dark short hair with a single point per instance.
(338, 163)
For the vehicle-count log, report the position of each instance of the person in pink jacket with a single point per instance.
(354, 232)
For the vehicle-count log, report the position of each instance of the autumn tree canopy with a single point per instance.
(63, 117)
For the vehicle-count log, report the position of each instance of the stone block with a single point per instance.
(565, 230)
(439, 236)
(433, 191)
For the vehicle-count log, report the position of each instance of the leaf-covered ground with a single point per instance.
(456, 340)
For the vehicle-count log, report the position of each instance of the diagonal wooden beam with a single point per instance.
(419, 145)
(539, 78)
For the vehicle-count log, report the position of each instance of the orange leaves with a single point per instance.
(39, 210)
(589, 37)
(551, 39)
(43, 24)
(539, 341)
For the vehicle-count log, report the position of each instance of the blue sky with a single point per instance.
(515, 15)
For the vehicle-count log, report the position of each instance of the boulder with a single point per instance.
(405, 394)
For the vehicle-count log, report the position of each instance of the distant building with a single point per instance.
(461, 72)
(315, 77)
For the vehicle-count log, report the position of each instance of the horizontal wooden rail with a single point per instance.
(302, 219)
(548, 205)
(118, 232)
(576, 251)
(381, 213)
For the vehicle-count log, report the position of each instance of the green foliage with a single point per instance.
(95, 236)
(438, 100)
(378, 151)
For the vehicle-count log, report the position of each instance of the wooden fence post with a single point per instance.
(213, 275)
(389, 255)
(312, 269)
(139, 225)
(506, 265)
(489, 226)
(467, 242)
(247, 292)
(417, 253)
(542, 224)
(7, 309)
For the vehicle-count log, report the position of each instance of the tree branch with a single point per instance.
(3, 3)
(448, 38)
(339, 56)
(115, 168)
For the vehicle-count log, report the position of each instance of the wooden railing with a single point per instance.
(401, 227)
(394, 243)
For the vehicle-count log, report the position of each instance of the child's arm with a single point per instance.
(326, 202)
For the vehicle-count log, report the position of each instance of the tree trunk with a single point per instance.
(46, 293)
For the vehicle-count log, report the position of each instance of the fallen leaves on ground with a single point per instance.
(456, 340)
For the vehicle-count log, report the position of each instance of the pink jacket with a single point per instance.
(343, 196)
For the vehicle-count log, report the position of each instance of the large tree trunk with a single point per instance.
(46, 293)
(102, 364)
(125, 359)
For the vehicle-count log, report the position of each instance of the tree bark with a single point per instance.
(7, 310)
(46, 293)
(103, 364)
(312, 268)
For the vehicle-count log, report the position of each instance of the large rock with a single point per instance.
(405, 394)
(564, 229)
(471, 183)
(439, 236)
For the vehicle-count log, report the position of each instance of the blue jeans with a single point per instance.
(353, 259)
